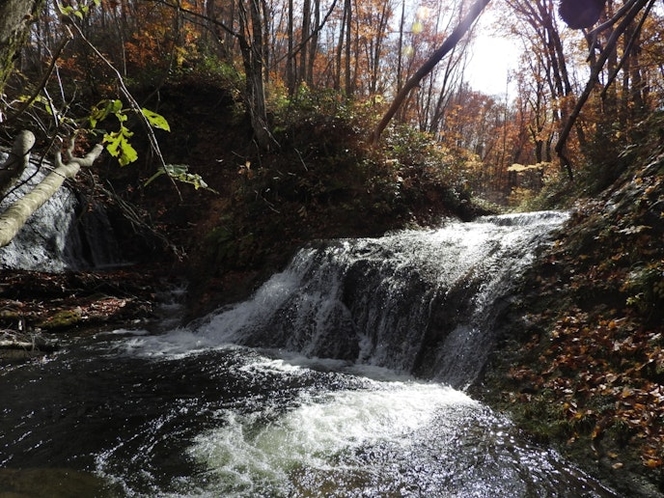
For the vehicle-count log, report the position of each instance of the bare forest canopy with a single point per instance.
(578, 97)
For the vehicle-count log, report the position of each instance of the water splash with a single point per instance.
(251, 457)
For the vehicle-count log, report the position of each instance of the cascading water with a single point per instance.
(418, 302)
(56, 237)
(305, 390)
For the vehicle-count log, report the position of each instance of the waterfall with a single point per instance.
(422, 302)
(63, 234)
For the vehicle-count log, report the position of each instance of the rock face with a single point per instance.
(63, 234)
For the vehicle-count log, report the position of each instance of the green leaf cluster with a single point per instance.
(78, 9)
(117, 142)
(117, 145)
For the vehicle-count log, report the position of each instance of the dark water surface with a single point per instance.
(115, 416)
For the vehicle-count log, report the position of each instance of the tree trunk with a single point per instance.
(340, 48)
(348, 8)
(304, 36)
(15, 18)
(13, 219)
(426, 68)
(252, 48)
(290, 61)
(313, 45)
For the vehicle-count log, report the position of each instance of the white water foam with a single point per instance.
(250, 456)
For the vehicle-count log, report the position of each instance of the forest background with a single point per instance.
(272, 108)
(274, 58)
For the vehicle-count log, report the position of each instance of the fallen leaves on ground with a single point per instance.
(60, 301)
(591, 360)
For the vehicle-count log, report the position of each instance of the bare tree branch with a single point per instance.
(636, 6)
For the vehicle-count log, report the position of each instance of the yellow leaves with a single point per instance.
(615, 323)
(528, 167)
(652, 463)
(103, 109)
(626, 393)
(616, 465)
(118, 145)
(79, 10)
(118, 142)
(652, 457)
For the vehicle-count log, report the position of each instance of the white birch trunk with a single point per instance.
(13, 219)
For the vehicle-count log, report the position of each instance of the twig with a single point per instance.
(301, 160)
(154, 144)
(42, 83)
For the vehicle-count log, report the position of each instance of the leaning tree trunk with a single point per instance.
(451, 41)
(15, 18)
(13, 219)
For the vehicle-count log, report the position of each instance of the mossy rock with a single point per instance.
(62, 319)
